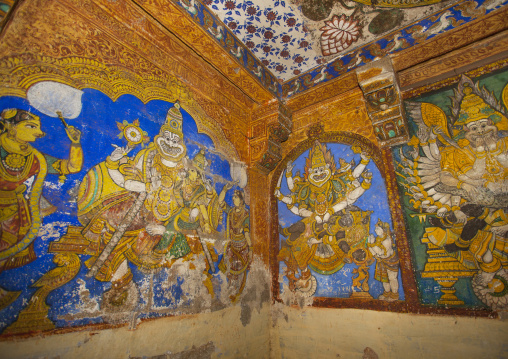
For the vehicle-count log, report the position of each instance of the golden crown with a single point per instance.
(474, 108)
(318, 158)
(174, 120)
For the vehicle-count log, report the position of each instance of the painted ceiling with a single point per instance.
(293, 36)
(293, 45)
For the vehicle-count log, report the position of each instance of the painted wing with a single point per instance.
(421, 178)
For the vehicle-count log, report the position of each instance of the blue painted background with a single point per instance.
(97, 123)
(338, 285)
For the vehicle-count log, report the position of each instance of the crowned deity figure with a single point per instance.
(21, 214)
(461, 176)
(324, 199)
(132, 197)
(478, 169)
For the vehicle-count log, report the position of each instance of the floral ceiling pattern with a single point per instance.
(272, 31)
(293, 36)
(293, 45)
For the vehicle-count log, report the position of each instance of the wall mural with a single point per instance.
(453, 180)
(335, 230)
(153, 210)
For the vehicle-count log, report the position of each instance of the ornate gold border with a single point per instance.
(18, 73)
(455, 79)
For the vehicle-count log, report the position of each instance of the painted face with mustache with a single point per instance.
(482, 134)
(319, 175)
(170, 146)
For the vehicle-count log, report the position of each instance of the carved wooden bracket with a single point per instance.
(278, 133)
(383, 101)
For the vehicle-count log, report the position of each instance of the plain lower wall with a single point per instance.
(346, 333)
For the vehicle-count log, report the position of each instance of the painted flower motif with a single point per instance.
(297, 72)
(286, 38)
(298, 59)
(208, 2)
(265, 62)
(291, 22)
(271, 15)
(268, 34)
(267, 49)
(250, 44)
(251, 29)
(279, 68)
(251, 10)
(232, 25)
(230, 5)
(284, 54)
(338, 34)
(304, 44)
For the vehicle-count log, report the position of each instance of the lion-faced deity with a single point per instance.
(169, 142)
(319, 165)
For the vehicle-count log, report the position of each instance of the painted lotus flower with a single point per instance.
(338, 34)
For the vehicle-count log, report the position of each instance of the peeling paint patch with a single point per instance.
(256, 291)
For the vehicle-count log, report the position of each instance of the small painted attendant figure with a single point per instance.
(238, 250)
(387, 261)
(20, 219)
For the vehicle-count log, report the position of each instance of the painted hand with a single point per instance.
(471, 190)
(365, 156)
(73, 133)
(461, 217)
(367, 175)
(372, 239)
(326, 217)
(313, 240)
(119, 152)
(155, 229)
(194, 213)
(156, 183)
(501, 230)
(441, 212)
